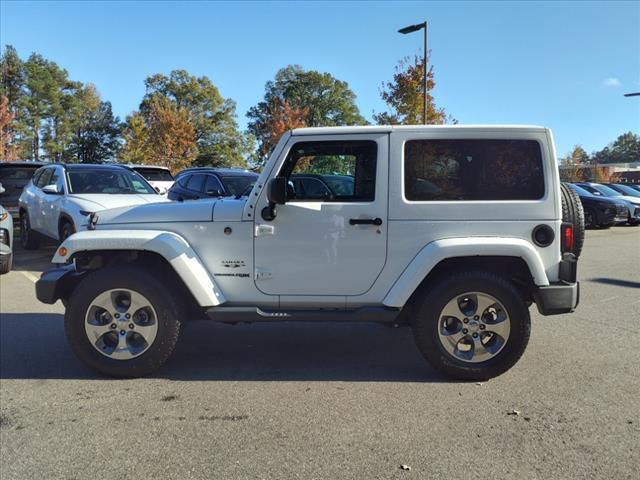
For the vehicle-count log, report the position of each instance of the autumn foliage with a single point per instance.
(8, 150)
(282, 118)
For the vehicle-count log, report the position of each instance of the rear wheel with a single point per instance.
(122, 321)
(28, 238)
(472, 325)
(573, 213)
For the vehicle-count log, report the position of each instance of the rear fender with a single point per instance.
(172, 247)
(439, 250)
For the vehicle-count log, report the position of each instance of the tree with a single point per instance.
(136, 140)
(405, 96)
(172, 138)
(281, 118)
(328, 102)
(8, 150)
(218, 140)
(625, 149)
(574, 165)
(12, 76)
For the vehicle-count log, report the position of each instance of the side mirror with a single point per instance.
(277, 191)
(277, 195)
(214, 193)
(51, 189)
(157, 189)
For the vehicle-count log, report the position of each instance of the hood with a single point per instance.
(630, 199)
(101, 201)
(165, 212)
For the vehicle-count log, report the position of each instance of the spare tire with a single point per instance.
(573, 213)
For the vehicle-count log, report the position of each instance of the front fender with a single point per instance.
(439, 250)
(172, 247)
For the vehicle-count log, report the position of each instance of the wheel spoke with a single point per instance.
(94, 332)
(480, 353)
(501, 328)
(452, 309)
(147, 332)
(122, 350)
(137, 302)
(104, 302)
(482, 303)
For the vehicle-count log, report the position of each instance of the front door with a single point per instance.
(330, 238)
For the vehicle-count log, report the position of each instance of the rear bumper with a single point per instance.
(562, 296)
(57, 283)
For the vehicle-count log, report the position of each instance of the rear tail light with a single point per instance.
(567, 237)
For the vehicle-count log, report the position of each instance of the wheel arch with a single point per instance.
(62, 219)
(165, 250)
(512, 258)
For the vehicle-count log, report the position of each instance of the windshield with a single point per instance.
(107, 181)
(627, 190)
(609, 192)
(239, 184)
(17, 173)
(155, 175)
(580, 191)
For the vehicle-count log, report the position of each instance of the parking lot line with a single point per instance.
(30, 276)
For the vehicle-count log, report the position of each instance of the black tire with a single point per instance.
(573, 213)
(6, 261)
(425, 323)
(28, 238)
(169, 310)
(66, 230)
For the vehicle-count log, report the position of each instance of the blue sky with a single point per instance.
(564, 65)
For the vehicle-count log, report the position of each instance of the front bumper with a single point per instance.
(57, 283)
(562, 296)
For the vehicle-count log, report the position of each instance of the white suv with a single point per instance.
(453, 230)
(59, 198)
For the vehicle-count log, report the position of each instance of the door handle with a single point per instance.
(365, 221)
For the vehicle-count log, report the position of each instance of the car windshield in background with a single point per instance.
(16, 173)
(155, 175)
(609, 192)
(627, 190)
(581, 191)
(107, 181)
(238, 184)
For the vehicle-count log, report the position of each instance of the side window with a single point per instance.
(57, 178)
(195, 182)
(44, 178)
(212, 184)
(182, 181)
(473, 170)
(36, 176)
(332, 171)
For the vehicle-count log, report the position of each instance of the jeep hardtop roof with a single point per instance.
(415, 128)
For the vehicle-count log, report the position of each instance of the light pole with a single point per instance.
(411, 29)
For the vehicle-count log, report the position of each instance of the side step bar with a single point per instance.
(253, 314)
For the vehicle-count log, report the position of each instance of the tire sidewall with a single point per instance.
(426, 326)
(144, 283)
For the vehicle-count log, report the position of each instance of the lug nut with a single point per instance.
(131, 326)
(482, 327)
(476, 317)
(117, 315)
(113, 326)
(128, 316)
(465, 331)
(122, 332)
(466, 320)
(475, 335)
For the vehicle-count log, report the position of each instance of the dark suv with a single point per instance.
(13, 177)
(194, 183)
(601, 212)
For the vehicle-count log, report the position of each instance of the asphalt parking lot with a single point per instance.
(330, 401)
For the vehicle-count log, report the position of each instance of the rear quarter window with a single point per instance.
(473, 170)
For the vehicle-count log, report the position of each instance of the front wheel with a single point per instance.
(28, 238)
(6, 261)
(122, 321)
(472, 325)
